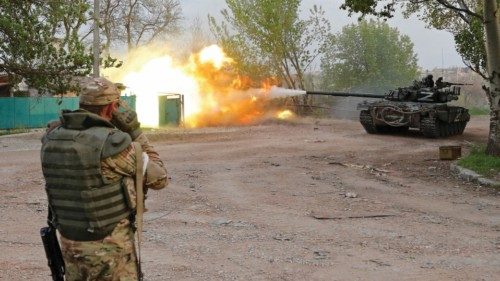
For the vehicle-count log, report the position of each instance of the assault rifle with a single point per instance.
(53, 252)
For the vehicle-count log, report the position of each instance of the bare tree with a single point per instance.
(136, 22)
(109, 17)
(199, 36)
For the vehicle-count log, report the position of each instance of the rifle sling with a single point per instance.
(139, 179)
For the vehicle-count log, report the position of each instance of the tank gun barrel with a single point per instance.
(344, 94)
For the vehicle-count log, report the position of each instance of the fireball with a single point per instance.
(214, 93)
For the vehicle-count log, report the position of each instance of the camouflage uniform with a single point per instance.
(114, 257)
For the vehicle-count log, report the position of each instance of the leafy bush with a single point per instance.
(479, 111)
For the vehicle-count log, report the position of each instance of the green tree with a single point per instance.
(476, 27)
(368, 56)
(267, 38)
(40, 43)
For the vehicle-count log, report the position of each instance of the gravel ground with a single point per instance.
(308, 200)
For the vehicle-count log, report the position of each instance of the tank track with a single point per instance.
(367, 121)
(430, 127)
(390, 129)
(434, 128)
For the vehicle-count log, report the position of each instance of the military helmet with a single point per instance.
(98, 91)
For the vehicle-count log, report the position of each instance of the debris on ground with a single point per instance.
(339, 217)
(351, 195)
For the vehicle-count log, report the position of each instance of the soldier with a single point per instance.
(428, 81)
(89, 161)
(439, 83)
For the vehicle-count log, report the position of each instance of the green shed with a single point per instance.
(171, 110)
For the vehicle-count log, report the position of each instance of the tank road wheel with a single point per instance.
(430, 127)
(367, 121)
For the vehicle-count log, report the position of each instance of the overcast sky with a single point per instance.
(434, 48)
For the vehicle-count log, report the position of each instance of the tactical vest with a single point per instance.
(84, 205)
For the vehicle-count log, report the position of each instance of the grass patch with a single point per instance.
(479, 111)
(478, 161)
(13, 131)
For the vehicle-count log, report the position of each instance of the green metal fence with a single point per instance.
(37, 112)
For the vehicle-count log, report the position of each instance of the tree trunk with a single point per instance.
(129, 36)
(492, 31)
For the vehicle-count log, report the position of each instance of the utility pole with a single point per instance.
(442, 62)
(97, 41)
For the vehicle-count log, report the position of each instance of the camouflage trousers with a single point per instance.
(110, 259)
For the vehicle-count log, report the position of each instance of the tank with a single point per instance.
(422, 106)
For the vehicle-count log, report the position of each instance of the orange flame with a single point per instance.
(214, 93)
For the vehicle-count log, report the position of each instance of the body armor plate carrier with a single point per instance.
(84, 205)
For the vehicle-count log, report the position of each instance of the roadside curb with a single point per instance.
(472, 176)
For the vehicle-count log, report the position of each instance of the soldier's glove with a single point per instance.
(127, 122)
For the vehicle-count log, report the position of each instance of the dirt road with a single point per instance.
(311, 200)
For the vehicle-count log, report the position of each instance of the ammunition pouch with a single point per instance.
(89, 214)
